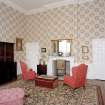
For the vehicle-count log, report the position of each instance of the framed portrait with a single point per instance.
(43, 50)
(85, 49)
(19, 46)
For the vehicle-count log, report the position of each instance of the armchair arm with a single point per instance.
(68, 78)
(32, 73)
(30, 70)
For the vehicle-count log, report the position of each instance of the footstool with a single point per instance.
(13, 96)
(46, 81)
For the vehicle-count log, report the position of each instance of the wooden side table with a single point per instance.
(41, 69)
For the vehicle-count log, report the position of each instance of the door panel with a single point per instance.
(99, 58)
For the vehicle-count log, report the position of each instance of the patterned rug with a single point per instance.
(62, 95)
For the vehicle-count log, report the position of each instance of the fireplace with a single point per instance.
(52, 65)
(60, 67)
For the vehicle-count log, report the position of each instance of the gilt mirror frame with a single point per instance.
(55, 45)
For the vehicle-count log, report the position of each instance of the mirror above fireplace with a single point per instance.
(61, 47)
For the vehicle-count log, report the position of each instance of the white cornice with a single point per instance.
(56, 5)
(14, 6)
(45, 7)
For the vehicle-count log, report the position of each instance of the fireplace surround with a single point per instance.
(51, 70)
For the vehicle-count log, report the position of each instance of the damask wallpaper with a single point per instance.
(12, 25)
(79, 22)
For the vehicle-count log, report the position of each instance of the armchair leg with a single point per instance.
(64, 83)
(74, 89)
(84, 87)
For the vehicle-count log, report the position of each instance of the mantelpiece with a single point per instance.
(51, 68)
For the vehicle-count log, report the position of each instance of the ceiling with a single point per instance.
(35, 4)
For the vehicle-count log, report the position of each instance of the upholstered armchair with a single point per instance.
(27, 74)
(78, 78)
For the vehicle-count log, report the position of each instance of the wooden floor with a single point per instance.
(101, 84)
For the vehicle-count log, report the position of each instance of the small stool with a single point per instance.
(13, 96)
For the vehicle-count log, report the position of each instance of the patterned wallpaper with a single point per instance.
(81, 23)
(12, 25)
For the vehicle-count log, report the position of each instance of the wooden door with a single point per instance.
(9, 49)
(2, 51)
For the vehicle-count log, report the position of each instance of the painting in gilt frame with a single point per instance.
(19, 46)
(85, 49)
(43, 50)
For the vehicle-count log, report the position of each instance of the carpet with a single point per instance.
(62, 95)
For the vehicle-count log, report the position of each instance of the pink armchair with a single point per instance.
(78, 78)
(27, 74)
